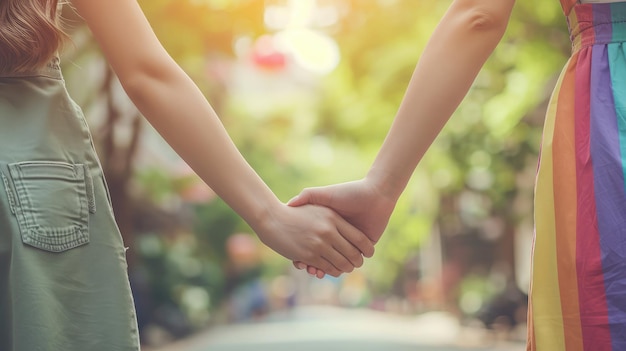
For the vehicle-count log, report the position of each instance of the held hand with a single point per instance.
(316, 236)
(359, 202)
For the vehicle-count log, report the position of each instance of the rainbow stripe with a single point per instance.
(578, 290)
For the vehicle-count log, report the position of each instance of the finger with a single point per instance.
(297, 200)
(351, 255)
(301, 199)
(299, 265)
(338, 260)
(345, 247)
(332, 271)
(316, 272)
(313, 196)
(356, 238)
(325, 265)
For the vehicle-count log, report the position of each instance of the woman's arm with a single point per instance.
(466, 36)
(174, 105)
(458, 48)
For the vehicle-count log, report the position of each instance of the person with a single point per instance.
(576, 295)
(63, 279)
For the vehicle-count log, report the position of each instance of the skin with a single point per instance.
(458, 48)
(174, 105)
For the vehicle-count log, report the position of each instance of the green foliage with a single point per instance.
(214, 223)
(333, 134)
(189, 28)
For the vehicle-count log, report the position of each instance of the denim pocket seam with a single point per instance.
(43, 235)
(9, 191)
(91, 197)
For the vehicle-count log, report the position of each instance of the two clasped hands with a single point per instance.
(350, 218)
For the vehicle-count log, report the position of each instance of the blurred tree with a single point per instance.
(475, 181)
(477, 178)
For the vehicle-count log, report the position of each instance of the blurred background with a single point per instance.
(308, 89)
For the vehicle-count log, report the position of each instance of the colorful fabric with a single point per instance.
(577, 297)
(568, 5)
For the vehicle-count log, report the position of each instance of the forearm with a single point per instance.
(174, 105)
(195, 132)
(457, 50)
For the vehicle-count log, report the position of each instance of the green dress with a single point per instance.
(63, 274)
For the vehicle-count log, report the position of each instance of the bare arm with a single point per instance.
(464, 39)
(174, 105)
(457, 50)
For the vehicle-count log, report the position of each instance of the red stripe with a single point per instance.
(593, 310)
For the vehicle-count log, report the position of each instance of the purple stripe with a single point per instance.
(602, 18)
(609, 194)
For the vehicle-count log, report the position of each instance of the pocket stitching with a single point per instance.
(9, 192)
(91, 197)
(59, 238)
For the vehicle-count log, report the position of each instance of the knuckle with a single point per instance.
(321, 231)
(327, 214)
(325, 233)
(317, 245)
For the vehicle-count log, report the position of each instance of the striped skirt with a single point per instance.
(577, 297)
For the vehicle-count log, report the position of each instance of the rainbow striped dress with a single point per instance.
(577, 298)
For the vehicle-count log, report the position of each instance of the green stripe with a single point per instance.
(617, 64)
(618, 16)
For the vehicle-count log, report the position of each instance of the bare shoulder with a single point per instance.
(123, 33)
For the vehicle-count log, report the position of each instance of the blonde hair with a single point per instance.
(30, 34)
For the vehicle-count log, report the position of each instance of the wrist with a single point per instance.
(385, 184)
(263, 217)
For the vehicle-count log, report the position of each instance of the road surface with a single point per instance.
(336, 329)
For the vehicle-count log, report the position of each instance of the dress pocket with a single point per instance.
(51, 203)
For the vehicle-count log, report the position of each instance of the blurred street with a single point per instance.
(333, 329)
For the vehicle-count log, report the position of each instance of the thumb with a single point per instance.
(301, 199)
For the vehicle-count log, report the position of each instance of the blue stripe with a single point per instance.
(607, 134)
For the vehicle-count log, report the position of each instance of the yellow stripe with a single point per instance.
(545, 300)
(572, 19)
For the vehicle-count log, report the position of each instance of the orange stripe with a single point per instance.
(567, 5)
(565, 208)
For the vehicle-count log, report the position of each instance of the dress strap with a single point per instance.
(568, 5)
